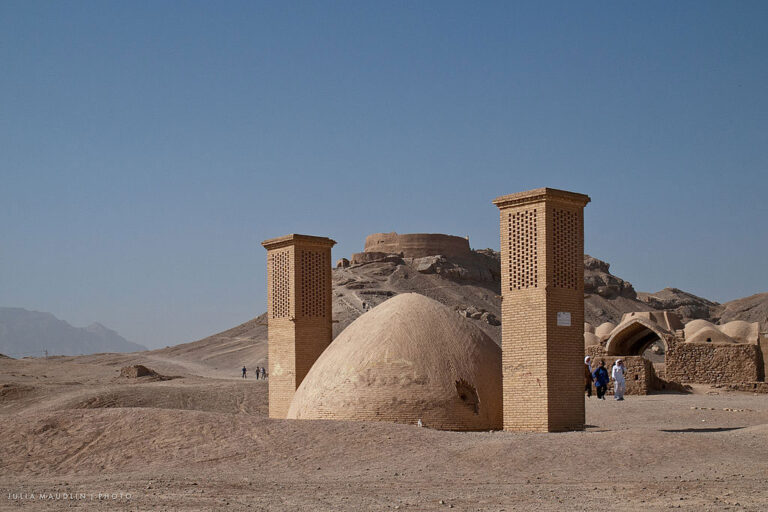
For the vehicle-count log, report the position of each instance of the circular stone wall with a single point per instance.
(417, 245)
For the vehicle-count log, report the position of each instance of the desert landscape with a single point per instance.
(427, 222)
(202, 441)
(94, 431)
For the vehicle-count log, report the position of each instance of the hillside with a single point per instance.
(243, 345)
(31, 333)
(471, 285)
(687, 305)
(751, 309)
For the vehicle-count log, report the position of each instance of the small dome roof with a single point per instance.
(694, 326)
(407, 359)
(604, 330)
(590, 339)
(709, 335)
(588, 327)
(741, 331)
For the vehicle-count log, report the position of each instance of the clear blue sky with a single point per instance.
(147, 148)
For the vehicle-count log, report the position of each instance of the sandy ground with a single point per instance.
(203, 442)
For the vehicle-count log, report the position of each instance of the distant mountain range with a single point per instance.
(31, 333)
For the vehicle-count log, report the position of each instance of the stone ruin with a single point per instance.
(699, 352)
(429, 253)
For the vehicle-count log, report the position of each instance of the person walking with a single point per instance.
(588, 376)
(263, 373)
(619, 384)
(257, 373)
(601, 380)
(244, 371)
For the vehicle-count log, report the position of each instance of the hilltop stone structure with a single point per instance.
(298, 312)
(542, 286)
(418, 245)
(409, 359)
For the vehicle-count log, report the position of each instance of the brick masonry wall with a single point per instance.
(750, 387)
(565, 294)
(299, 312)
(542, 250)
(282, 371)
(713, 364)
(640, 376)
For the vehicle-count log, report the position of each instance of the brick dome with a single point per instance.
(409, 358)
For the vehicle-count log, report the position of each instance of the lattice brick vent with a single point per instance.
(280, 270)
(314, 283)
(567, 265)
(523, 247)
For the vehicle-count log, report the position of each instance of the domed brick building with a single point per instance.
(409, 358)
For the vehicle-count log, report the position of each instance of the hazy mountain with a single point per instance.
(30, 333)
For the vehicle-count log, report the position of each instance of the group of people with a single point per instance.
(600, 378)
(259, 371)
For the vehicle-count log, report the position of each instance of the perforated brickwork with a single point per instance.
(299, 305)
(314, 283)
(280, 272)
(542, 310)
(566, 246)
(523, 249)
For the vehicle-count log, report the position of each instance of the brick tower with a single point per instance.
(298, 312)
(542, 310)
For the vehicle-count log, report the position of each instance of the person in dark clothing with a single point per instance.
(588, 376)
(257, 373)
(601, 380)
(263, 373)
(244, 370)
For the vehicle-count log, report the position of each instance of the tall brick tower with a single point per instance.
(542, 310)
(298, 311)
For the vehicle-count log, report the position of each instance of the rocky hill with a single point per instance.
(687, 305)
(470, 282)
(24, 332)
(750, 309)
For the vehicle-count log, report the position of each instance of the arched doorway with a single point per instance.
(635, 337)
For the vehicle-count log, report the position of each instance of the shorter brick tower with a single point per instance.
(298, 312)
(542, 310)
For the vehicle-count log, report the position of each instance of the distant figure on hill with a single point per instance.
(263, 373)
(588, 376)
(244, 372)
(619, 384)
(601, 380)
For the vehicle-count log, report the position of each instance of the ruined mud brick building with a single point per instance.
(298, 312)
(698, 352)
